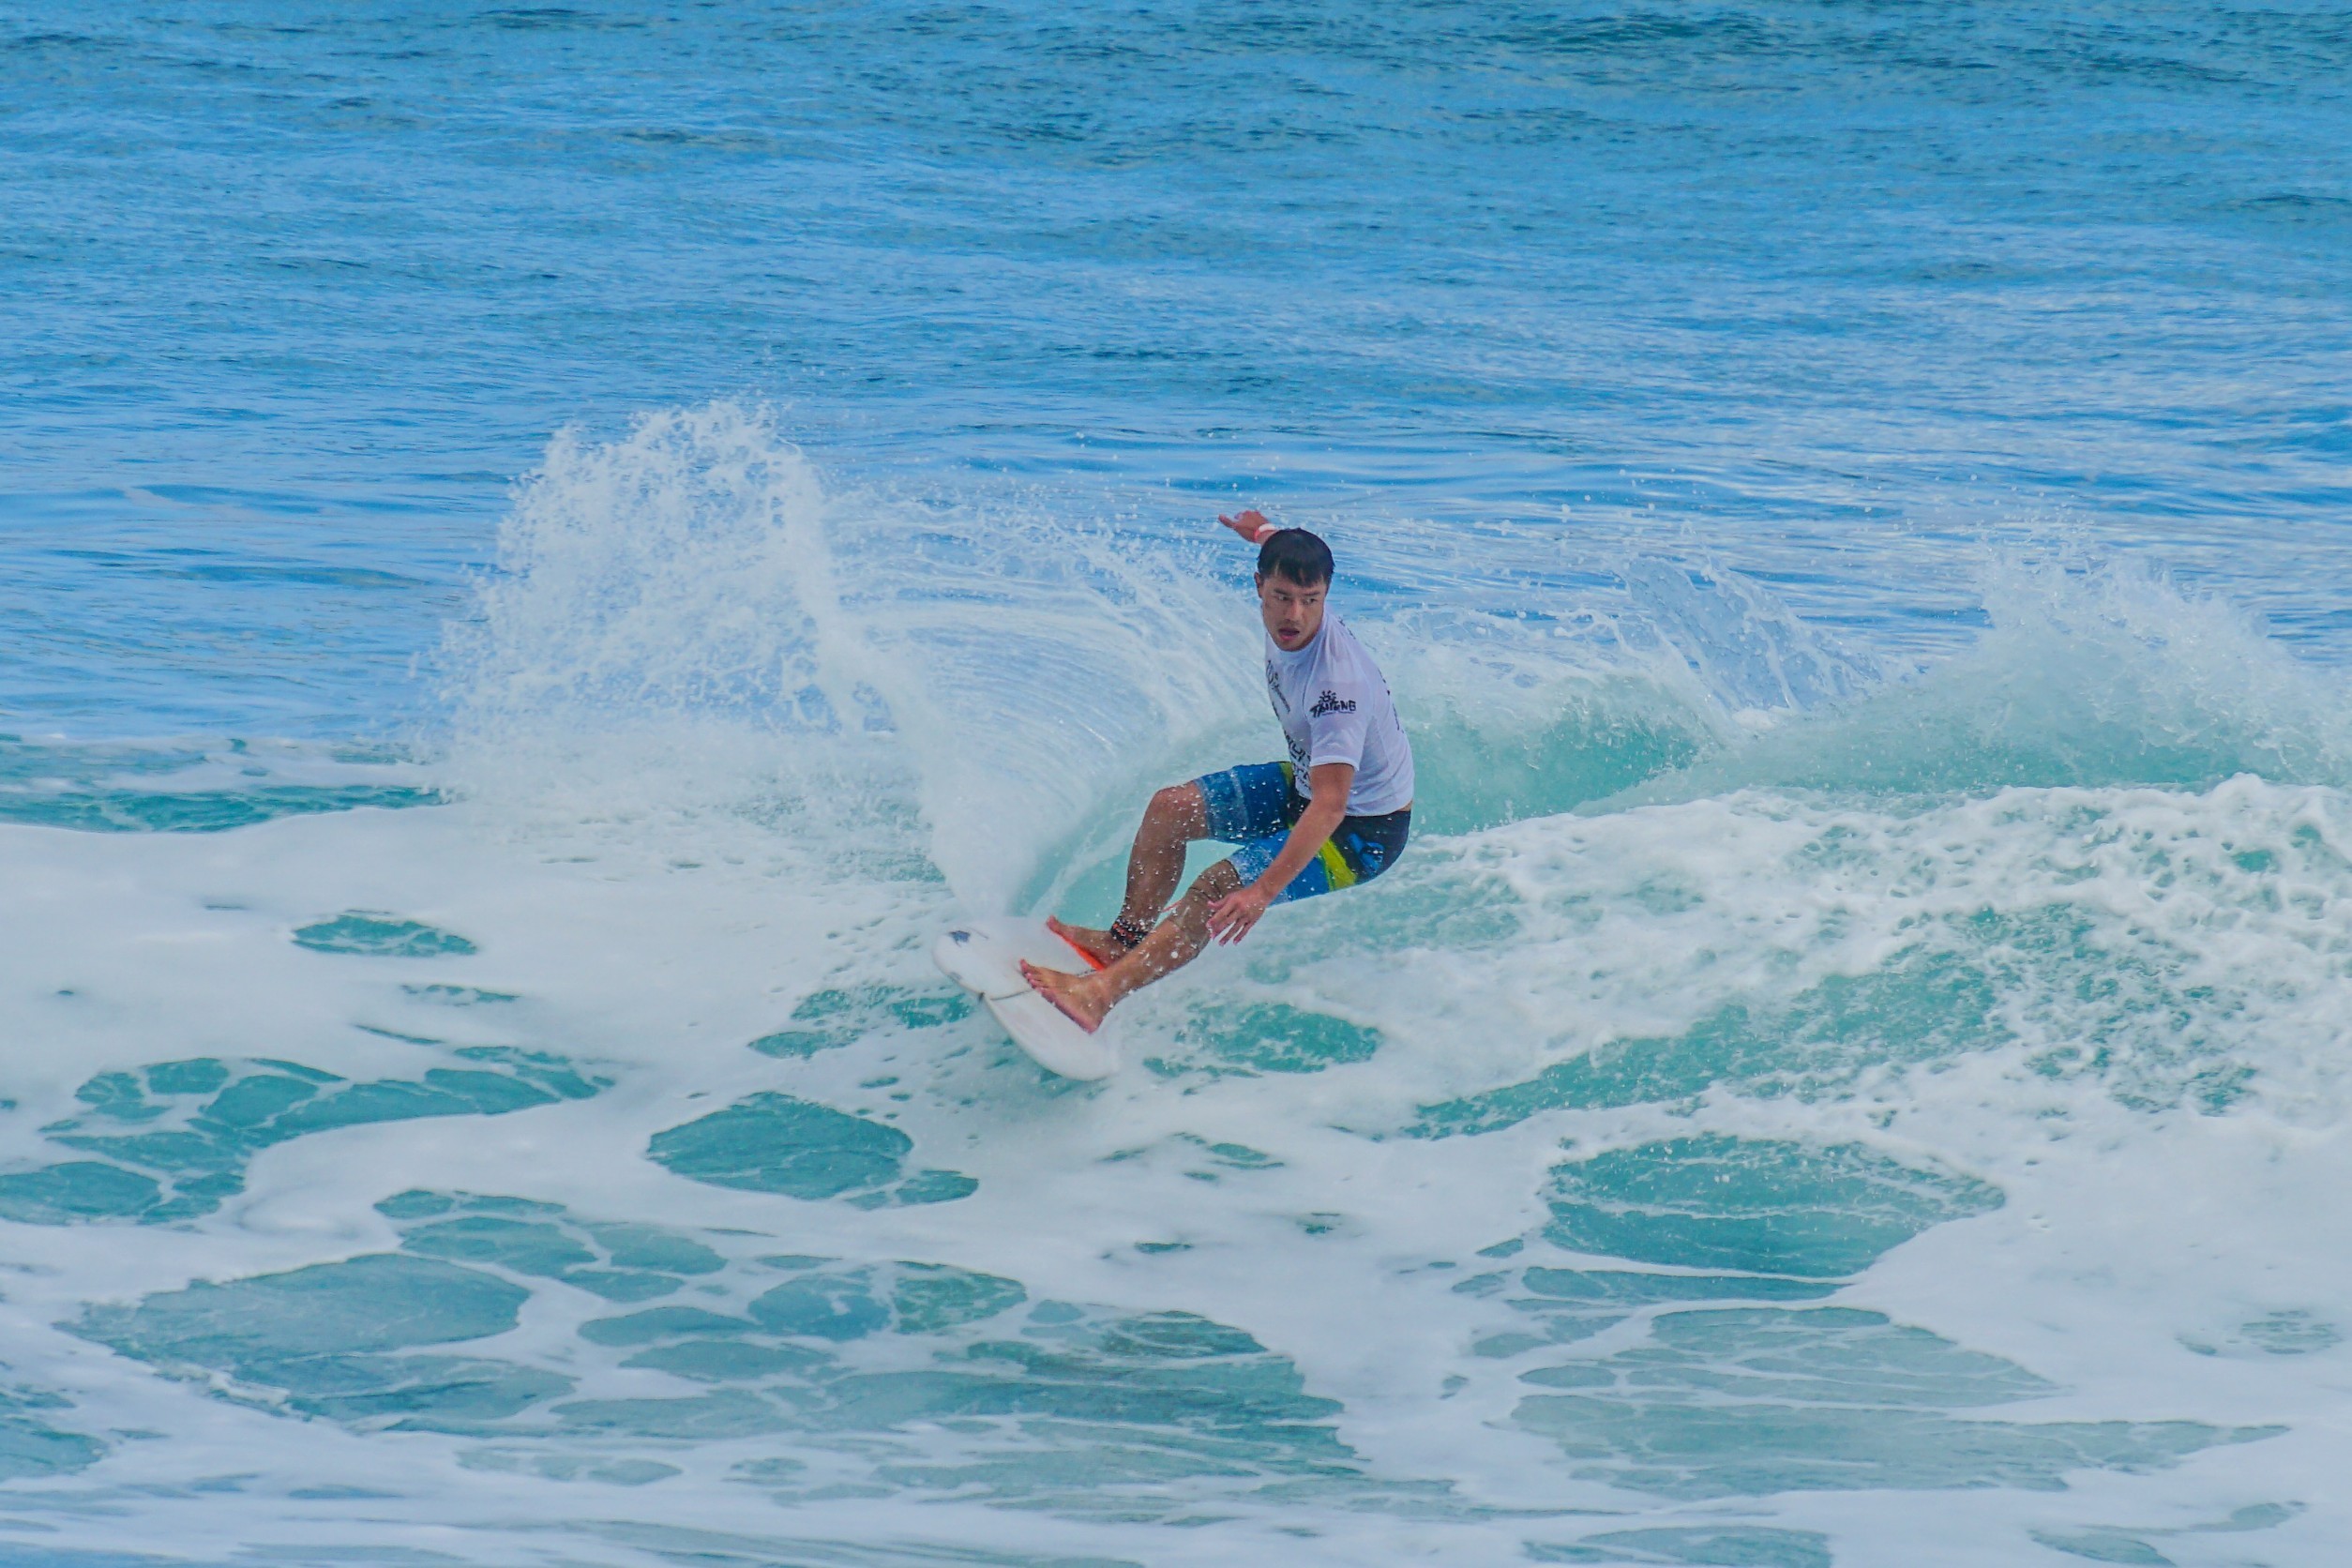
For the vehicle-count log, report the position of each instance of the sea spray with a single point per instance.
(685, 621)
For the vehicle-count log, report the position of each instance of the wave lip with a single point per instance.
(2087, 679)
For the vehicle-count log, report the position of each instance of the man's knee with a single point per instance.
(1191, 913)
(1180, 809)
(1213, 884)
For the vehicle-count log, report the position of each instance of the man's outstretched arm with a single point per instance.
(1252, 525)
(1231, 916)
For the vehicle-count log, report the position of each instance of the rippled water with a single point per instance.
(551, 549)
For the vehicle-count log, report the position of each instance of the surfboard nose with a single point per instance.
(990, 959)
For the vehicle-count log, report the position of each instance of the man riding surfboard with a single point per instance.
(1335, 814)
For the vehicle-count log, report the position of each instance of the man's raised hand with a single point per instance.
(1251, 524)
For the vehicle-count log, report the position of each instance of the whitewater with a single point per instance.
(550, 551)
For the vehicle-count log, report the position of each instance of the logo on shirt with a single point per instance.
(1330, 703)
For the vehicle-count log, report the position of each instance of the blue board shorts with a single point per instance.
(1256, 806)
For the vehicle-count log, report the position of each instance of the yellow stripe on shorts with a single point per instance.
(1336, 868)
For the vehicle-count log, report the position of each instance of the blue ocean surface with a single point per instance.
(549, 549)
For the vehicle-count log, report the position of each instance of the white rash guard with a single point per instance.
(1335, 707)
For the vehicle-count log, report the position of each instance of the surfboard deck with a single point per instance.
(984, 957)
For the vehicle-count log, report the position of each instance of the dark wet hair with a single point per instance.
(1297, 554)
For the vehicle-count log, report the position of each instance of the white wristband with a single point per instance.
(1265, 532)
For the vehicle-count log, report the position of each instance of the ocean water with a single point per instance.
(548, 550)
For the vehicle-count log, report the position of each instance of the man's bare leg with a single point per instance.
(1174, 942)
(1176, 816)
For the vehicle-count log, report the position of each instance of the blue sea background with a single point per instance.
(789, 438)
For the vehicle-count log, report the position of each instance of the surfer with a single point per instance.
(1334, 816)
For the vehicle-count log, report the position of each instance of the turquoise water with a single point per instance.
(551, 549)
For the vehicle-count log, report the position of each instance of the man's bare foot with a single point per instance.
(1078, 996)
(1101, 946)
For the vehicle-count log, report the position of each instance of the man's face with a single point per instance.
(1293, 612)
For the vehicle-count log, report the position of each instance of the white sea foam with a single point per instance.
(1606, 1119)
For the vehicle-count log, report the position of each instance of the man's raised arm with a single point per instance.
(1252, 525)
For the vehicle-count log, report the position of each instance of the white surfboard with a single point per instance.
(984, 957)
